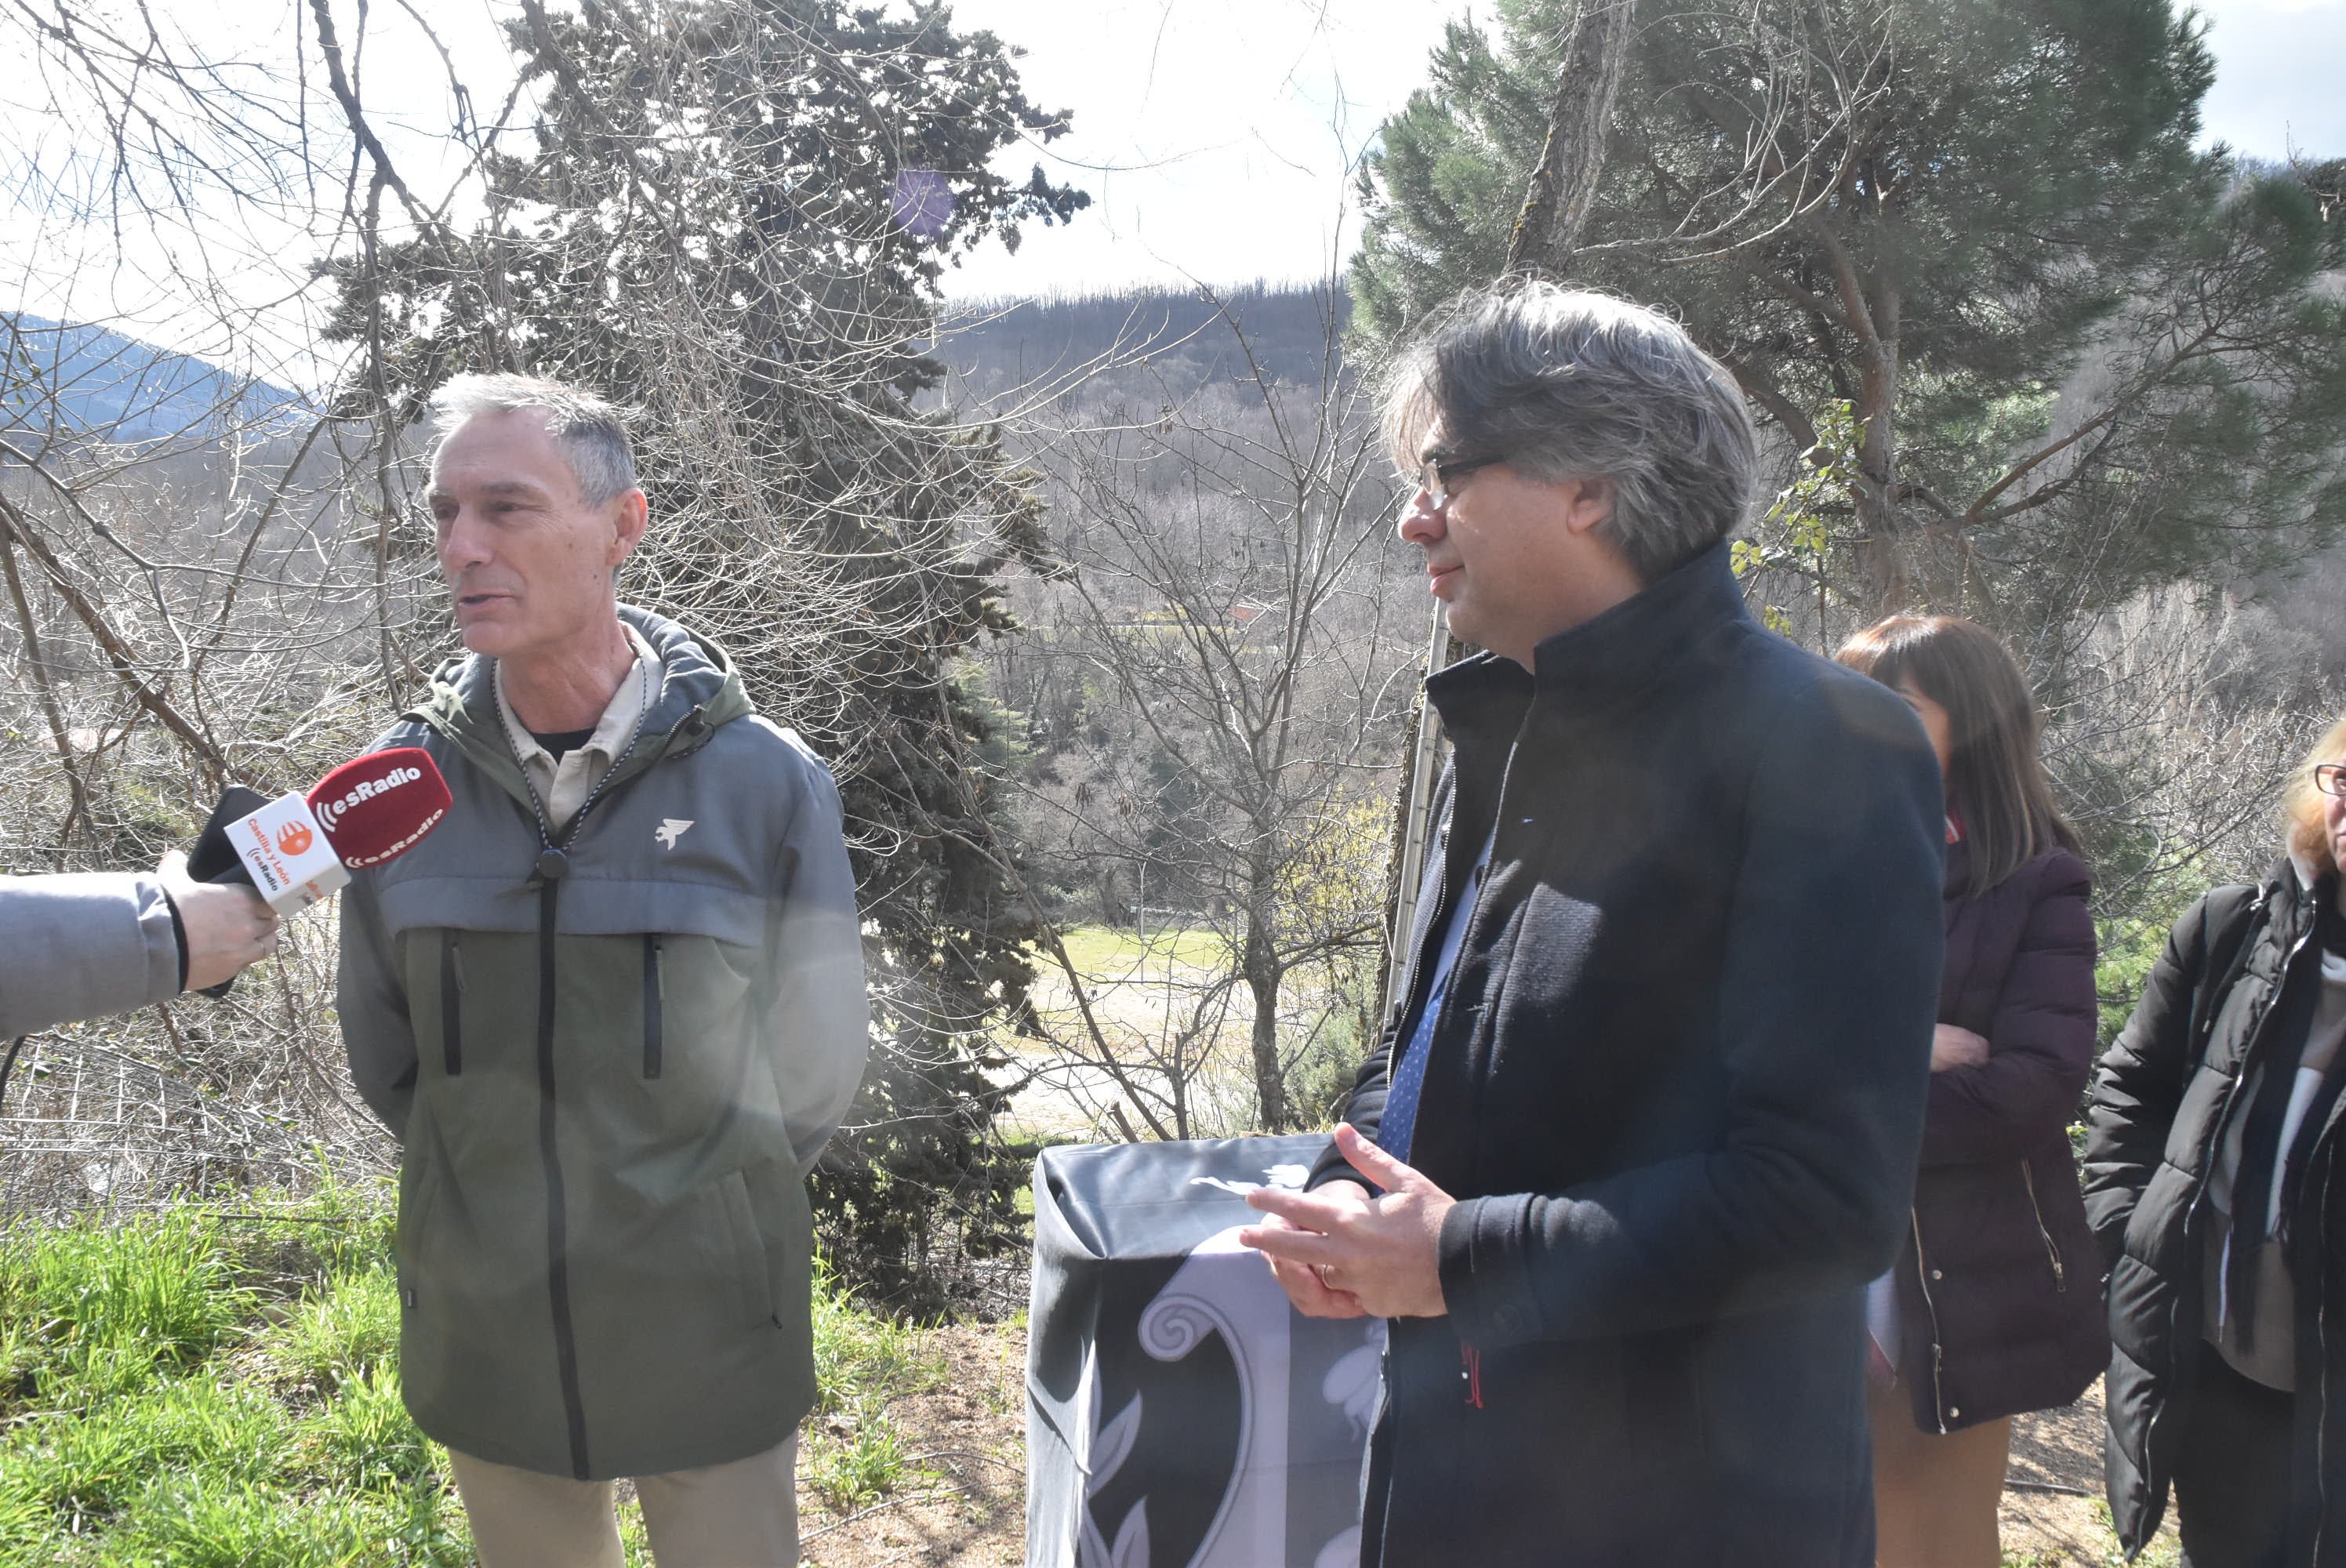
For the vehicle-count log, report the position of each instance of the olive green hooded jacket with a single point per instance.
(612, 1057)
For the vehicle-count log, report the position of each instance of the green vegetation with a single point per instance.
(1104, 955)
(198, 1389)
(854, 1454)
(204, 1390)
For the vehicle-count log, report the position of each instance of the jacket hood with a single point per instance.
(699, 690)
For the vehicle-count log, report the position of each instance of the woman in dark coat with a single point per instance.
(1995, 1305)
(2213, 1181)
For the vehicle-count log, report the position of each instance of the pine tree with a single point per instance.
(2082, 355)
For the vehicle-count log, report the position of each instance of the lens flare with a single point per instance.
(922, 203)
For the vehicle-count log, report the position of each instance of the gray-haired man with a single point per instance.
(1648, 1117)
(613, 1007)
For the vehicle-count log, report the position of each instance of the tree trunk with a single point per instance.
(1564, 187)
(1259, 964)
(1871, 301)
(1556, 208)
(1886, 574)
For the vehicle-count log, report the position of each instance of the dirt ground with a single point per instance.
(969, 1435)
(2057, 1456)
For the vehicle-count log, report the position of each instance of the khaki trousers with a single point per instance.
(1934, 1497)
(744, 1514)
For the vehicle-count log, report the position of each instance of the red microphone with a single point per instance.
(295, 849)
(378, 806)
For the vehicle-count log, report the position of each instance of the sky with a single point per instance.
(1217, 138)
(1216, 135)
(2280, 75)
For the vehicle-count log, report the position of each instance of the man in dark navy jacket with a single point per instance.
(1646, 1116)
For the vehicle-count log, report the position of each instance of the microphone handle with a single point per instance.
(214, 859)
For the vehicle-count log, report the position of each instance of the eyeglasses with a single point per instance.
(2329, 779)
(1439, 475)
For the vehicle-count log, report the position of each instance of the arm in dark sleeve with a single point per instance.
(371, 1004)
(1364, 1108)
(2040, 1041)
(1829, 993)
(2140, 1084)
(821, 1022)
(84, 944)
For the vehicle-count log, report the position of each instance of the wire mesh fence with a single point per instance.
(86, 1128)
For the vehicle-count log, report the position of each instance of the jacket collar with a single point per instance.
(700, 690)
(1608, 659)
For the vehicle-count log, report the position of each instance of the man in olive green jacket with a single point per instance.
(613, 1007)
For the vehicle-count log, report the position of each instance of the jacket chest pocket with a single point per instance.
(682, 1021)
(451, 1003)
(655, 989)
(434, 962)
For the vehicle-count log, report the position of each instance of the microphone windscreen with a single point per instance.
(378, 806)
(213, 858)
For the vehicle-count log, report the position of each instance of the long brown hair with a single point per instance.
(1995, 780)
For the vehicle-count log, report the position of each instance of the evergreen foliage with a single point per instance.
(734, 216)
(2083, 356)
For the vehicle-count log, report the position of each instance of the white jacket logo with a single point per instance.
(329, 812)
(670, 829)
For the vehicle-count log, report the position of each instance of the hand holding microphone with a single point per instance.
(226, 928)
(297, 849)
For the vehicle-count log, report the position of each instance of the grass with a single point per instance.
(855, 1454)
(195, 1388)
(1105, 953)
(201, 1389)
(867, 1464)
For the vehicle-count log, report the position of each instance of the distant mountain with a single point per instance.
(67, 382)
(1181, 338)
(1143, 346)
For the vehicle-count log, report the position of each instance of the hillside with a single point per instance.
(1153, 340)
(65, 382)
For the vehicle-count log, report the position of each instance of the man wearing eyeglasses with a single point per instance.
(1646, 1116)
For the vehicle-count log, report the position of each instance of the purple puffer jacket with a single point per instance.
(1999, 1287)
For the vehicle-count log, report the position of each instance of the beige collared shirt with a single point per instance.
(564, 786)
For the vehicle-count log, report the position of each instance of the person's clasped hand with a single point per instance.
(1954, 1047)
(227, 926)
(1340, 1252)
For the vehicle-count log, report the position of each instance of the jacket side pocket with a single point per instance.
(749, 1249)
(2052, 1250)
(416, 1187)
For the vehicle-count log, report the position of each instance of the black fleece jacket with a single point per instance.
(1677, 1085)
